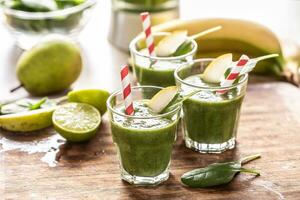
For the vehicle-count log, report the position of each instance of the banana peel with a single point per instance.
(237, 37)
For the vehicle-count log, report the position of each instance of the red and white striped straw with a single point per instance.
(145, 16)
(126, 87)
(232, 76)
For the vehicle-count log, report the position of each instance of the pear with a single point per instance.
(162, 99)
(214, 72)
(169, 44)
(49, 67)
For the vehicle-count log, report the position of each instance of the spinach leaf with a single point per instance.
(24, 105)
(217, 173)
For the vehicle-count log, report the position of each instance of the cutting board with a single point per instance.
(43, 166)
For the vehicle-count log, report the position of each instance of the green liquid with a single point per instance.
(210, 118)
(145, 145)
(159, 73)
(154, 76)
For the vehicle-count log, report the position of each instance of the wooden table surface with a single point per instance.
(269, 125)
(43, 166)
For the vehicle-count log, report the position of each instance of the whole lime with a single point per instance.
(94, 97)
(49, 67)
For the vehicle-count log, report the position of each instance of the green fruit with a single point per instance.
(49, 67)
(27, 121)
(94, 97)
(77, 122)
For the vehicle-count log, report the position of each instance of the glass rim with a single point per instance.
(132, 48)
(244, 79)
(50, 14)
(119, 92)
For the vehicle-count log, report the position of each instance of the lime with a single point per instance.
(27, 121)
(162, 99)
(94, 97)
(76, 122)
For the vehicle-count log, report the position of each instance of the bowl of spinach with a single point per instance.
(30, 20)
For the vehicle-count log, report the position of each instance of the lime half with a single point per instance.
(77, 122)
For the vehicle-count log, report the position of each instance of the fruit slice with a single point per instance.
(77, 122)
(214, 73)
(162, 99)
(169, 44)
(94, 97)
(236, 36)
(27, 121)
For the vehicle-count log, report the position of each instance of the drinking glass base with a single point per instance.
(144, 181)
(209, 148)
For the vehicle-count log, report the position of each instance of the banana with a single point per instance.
(237, 37)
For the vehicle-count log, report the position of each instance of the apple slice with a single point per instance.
(169, 44)
(214, 73)
(162, 99)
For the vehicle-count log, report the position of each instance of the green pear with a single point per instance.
(49, 67)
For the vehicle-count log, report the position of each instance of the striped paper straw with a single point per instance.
(127, 96)
(145, 16)
(232, 76)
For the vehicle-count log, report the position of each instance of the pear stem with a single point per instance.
(16, 88)
(198, 35)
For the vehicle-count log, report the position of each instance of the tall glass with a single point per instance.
(210, 119)
(126, 21)
(144, 141)
(158, 71)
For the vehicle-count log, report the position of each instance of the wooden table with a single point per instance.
(43, 166)
(270, 125)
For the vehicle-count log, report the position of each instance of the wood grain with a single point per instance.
(269, 125)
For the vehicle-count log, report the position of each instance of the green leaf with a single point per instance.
(217, 173)
(184, 48)
(38, 104)
(24, 105)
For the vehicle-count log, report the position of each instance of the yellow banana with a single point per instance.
(237, 37)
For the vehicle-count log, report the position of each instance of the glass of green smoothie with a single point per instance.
(144, 140)
(210, 119)
(158, 71)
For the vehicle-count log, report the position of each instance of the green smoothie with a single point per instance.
(158, 72)
(144, 144)
(211, 118)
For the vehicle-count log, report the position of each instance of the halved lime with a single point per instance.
(77, 122)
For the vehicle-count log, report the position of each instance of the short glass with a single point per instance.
(144, 143)
(30, 27)
(210, 119)
(125, 12)
(158, 71)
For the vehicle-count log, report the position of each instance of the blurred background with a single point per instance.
(102, 59)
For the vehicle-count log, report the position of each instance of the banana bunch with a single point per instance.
(237, 37)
